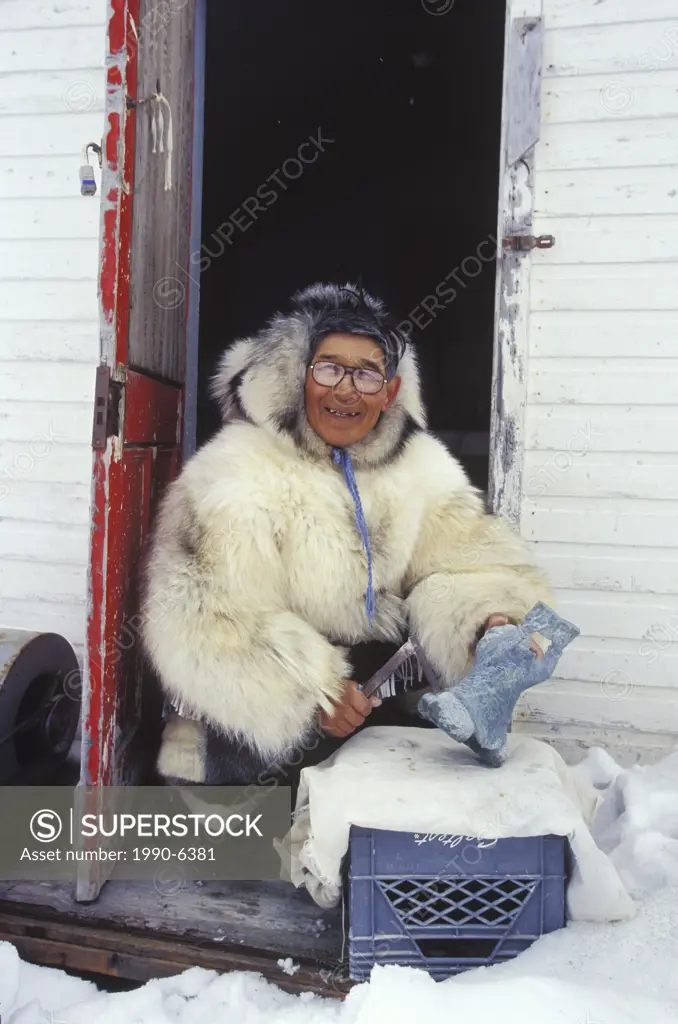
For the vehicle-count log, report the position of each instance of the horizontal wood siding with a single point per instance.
(51, 105)
(600, 480)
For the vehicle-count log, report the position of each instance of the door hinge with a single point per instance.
(523, 243)
(107, 395)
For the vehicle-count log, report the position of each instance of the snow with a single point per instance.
(287, 966)
(637, 824)
(587, 973)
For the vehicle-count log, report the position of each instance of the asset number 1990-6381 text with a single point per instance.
(198, 853)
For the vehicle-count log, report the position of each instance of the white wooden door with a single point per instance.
(521, 121)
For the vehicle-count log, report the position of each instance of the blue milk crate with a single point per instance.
(448, 903)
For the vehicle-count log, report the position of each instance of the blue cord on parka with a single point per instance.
(343, 459)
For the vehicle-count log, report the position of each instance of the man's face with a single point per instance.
(340, 413)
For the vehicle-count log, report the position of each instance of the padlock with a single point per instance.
(88, 185)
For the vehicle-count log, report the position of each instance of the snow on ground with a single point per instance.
(585, 974)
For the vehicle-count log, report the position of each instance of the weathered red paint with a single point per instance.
(100, 719)
(125, 234)
(109, 261)
(116, 26)
(152, 410)
(108, 555)
(112, 141)
(95, 618)
(131, 473)
(126, 182)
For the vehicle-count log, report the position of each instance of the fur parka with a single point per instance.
(256, 579)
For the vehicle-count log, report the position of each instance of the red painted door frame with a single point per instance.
(138, 434)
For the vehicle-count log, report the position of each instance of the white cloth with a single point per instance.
(420, 780)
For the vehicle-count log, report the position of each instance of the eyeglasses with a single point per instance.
(328, 375)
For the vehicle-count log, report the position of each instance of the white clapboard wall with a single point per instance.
(600, 471)
(51, 104)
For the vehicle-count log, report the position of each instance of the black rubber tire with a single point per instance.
(44, 676)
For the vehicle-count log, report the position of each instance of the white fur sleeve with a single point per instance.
(466, 565)
(218, 631)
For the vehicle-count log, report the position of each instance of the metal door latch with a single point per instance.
(107, 395)
(523, 243)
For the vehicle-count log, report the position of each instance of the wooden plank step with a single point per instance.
(137, 931)
(139, 956)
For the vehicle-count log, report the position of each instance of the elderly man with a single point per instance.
(318, 527)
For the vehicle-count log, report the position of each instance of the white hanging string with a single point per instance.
(161, 131)
(158, 135)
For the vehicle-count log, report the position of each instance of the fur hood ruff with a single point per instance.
(261, 380)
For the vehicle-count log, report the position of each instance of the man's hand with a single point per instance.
(499, 619)
(349, 713)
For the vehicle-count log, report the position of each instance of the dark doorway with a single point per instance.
(404, 105)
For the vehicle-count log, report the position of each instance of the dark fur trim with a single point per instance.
(188, 534)
(409, 430)
(351, 310)
(287, 421)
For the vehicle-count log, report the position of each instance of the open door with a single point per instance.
(145, 297)
(521, 122)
